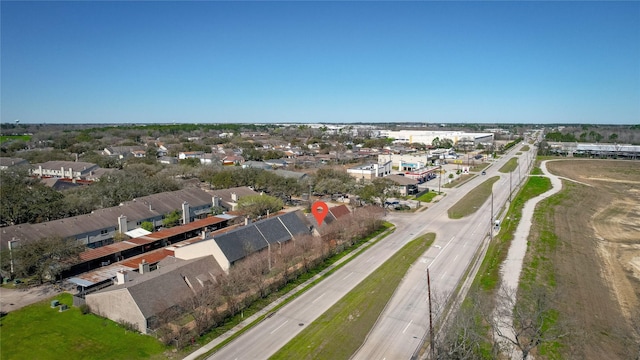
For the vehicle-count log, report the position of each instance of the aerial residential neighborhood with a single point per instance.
(253, 180)
(202, 239)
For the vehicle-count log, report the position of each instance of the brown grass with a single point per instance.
(597, 232)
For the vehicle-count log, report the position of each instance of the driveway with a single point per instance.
(14, 299)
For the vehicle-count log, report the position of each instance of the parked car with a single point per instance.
(484, 172)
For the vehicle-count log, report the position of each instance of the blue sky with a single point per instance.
(158, 62)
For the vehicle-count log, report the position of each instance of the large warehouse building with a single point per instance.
(427, 137)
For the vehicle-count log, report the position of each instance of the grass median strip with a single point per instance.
(339, 332)
(473, 200)
(510, 166)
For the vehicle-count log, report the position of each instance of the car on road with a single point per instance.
(484, 172)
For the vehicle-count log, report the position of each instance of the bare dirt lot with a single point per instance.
(597, 260)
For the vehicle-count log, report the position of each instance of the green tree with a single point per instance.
(172, 219)
(24, 199)
(46, 258)
(255, 206)
(147, 225)
(380, 189)
(331, 181)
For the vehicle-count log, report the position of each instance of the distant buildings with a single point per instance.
(458, 138)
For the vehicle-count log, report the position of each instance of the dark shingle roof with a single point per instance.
(239, 243)
(143, 208)
(169, 285)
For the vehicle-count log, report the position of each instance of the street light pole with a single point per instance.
(510, 189)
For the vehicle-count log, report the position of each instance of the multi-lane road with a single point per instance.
(404, 323)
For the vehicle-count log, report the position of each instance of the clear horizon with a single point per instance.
(320, 62)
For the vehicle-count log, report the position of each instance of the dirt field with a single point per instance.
(597, 260)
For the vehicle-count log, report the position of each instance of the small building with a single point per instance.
(404, 185)
(141, 298)
(64, 169)
(190, 155)
(370, 171)
(7, 162)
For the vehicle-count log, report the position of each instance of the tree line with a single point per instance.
(260, 275)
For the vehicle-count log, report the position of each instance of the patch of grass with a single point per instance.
(536, 171)
(473, 200)
(489, 273)
(518, 153)
(40, 332)
(6, 138)
(428, 197)
(339, 332)
(480, 167)
(459, 181)
(510, 166)
(524, 148)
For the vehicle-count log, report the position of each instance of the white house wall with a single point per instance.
(203, 248)
(119, 306)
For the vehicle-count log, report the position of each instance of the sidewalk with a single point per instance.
(512, 266)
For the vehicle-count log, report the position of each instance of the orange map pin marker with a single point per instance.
(319, 210)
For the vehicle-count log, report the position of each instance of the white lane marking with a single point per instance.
(440, 253)
(349, 274)
(477, 226)
(454, 259)
(276, 329)
(406, 327)
(445, 273)
(318, 298)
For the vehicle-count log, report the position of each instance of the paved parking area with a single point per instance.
(13, 299)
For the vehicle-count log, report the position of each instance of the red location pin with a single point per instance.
(319, 211)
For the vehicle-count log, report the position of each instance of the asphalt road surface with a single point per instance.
(405, 321)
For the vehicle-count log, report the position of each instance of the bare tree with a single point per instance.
(526, 318)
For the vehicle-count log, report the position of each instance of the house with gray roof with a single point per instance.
(124, 152)
(264, 235)
(99, 227)
(228, 198)
(64, 169)
(7, 162)
(141, 298)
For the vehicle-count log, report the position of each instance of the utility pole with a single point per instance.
(431, 337)
(491, 220)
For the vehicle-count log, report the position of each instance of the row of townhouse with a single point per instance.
(141, 294)
(99, 227)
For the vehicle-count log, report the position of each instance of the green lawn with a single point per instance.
(510, 166)
(459, 181)
(473, 200)
(5, 138)
(524, 148)
(428, 197)
(339, 332)
(40, 332)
